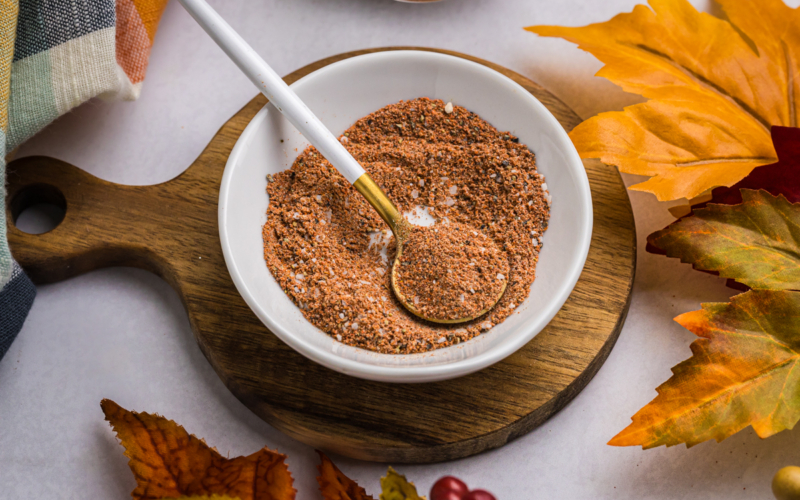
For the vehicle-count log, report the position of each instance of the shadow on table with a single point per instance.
(742, 466)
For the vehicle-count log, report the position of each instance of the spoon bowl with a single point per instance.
(401, 229)
(409, 304)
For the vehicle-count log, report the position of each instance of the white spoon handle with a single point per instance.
(276, 90)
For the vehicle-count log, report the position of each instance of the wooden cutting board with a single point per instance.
(171, 230)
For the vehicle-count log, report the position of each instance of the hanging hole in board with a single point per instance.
(38, 208)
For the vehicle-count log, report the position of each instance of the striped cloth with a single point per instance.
(55, 55)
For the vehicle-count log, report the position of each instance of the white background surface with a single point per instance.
(123, 334)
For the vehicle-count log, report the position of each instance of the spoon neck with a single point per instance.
(384, 206)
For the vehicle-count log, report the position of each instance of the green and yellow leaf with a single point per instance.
(756, 243)
(396, 487)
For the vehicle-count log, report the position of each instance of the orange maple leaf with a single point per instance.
(715, 88)
(743, 372)
(334, 485)
(168, 462)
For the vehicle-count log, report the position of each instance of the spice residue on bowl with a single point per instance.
(450, 271)
(332, 254)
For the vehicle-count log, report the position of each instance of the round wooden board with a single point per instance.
(171, 229)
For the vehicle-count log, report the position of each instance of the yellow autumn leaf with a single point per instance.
(715, 87)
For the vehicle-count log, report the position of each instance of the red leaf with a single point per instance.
(782, 177)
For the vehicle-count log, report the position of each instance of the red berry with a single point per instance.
(447, 495)
(448, 488)
(478, 495)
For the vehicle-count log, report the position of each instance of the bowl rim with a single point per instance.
(410, 374)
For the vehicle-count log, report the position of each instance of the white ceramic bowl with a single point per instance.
(340, 94)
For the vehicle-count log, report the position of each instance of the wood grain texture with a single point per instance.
(171, 230)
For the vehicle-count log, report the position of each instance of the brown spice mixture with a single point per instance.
(451, 271)
(323, 242)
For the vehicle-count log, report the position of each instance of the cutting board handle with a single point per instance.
(168, 228)
(105, 224)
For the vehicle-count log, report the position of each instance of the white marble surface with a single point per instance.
(122, 333)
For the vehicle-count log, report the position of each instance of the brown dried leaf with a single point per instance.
(206, 497)
(334, 485)
(168, 462)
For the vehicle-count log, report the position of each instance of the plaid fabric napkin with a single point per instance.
(55, 55)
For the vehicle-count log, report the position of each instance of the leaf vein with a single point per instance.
(709, 161)
(703, 82)
(733, 389)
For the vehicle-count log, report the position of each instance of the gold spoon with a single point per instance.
(295, 110)
(401, 229)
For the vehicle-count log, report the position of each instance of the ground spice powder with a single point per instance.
(332, 254)
(451, 271)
